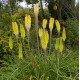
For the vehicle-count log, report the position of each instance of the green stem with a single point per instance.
(36, 27)
(38, 42)
(24, 46)
(40, 46)
(58, 66)
(45, 57)
(56, 57)
(44, 52)
(50, 41)
(58, 34)
(17, 39)
(28, 41)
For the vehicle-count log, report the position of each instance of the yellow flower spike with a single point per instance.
(47, 35)
(36, 9)
(57, 44)
(10, 42)
(64, 34)
(20, 51)
(28, 22)
(40, 32)
(51, 23)
(15, 28)
(44, 40)
(22, 31)
(57, 25)
(44, 23)
(61, 45)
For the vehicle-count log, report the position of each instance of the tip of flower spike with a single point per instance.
(57, 25)
(10, 42)
(57, 44)
(40, 31)
(22, 31)
(36, 8)
(51, 23)
(28, 22)
(44, 23)
(61, 45)
(15, 28)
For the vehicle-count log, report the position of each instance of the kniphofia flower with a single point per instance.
(64, 34)
(44, 23)
(61, 45)
(22, 31)
(15, 28)
(20, 51)
(28, 22)
(57, 44)
(57, 25)
(45, 39)
(36, 9)
(40, 32)
(51, 23)
(10, 42)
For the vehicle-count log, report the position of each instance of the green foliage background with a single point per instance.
(34, 65)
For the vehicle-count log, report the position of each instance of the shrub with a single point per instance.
(72, 29)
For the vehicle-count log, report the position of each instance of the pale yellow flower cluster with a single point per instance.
(59, 44)
(44, 38)
(59, 41)
(43, 33)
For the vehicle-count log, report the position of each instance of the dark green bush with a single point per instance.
(72, 29)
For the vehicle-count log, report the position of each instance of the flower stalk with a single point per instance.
(20, 51)
(51, 25)
(28, 26)
(36, 11)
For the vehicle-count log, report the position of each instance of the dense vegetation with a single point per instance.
(38, 64)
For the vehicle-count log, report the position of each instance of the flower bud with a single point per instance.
(36, 9)
(51, 23)
(15, 28)
(10, 42)
(44, 23)
(22, 31)
(57, 25)
(28, 22)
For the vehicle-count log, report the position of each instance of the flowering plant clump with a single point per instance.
(39, 41)
(44, 35)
